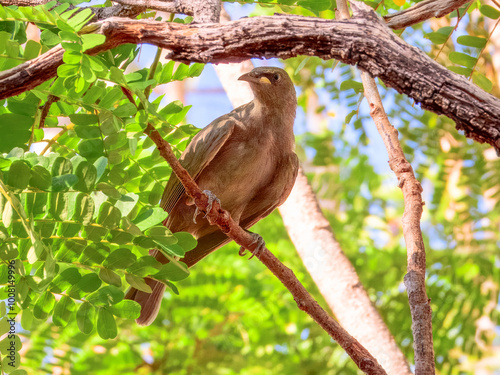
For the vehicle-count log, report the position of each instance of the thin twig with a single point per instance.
(420, 308)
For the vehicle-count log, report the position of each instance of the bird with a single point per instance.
(245, 159)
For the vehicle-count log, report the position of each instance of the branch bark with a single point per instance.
(220, 217)
(414, 280)
(423, 11)
(420, 308)
(363, 41)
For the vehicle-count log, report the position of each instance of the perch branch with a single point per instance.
(220, 217)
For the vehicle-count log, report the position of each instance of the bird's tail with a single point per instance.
(150, 302)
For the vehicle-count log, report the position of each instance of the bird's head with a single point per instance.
(271, 86)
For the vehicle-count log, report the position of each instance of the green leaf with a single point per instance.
(15, 131)
(144, 266)
(315, 5)
(107, 295)
(109, 216)
(138, 283)
(32, 49)
(65, 279)
(350, 84)
(71, 46)
(483, 82)
(61, 166)
(126, 309)
(110, 277)
(87, 284)
(10, 344)
(85, 317)
(120, 259)
(172, 271)
(195, 69)
(489, 11)
(462, 59)
(111, 97)
(106, 324)
(125, 110)
(91, 148)
(63, 311)
(471, 41)
(440, 36)
(72, 58)
(78, 20)
(67, 70)
(44, 305)
(126, 203)
(87, 176)
(40, 178)
(149, 218)
(94, 254)
(64, 182)
(19, 175)
(161, 234)
(181, 73)
(461, 70)
(84, 209)
(100, 165)
(173, 107)
(49, 38)
(8, 251)
(83, 119)
(166, 73)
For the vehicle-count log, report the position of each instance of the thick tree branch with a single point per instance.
(220, 217)
(365, 42)
(423, 11)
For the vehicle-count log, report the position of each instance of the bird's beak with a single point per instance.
(249, 77)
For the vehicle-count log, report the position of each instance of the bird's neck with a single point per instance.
(284, 111)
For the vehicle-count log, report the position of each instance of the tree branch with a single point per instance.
(220, 217)
(420, 306)
(365, 42)
(423, 11)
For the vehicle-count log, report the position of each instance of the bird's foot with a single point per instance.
(261, 244)
(211, 199)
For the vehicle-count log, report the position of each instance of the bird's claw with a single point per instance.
(261, 244)
(211, 199)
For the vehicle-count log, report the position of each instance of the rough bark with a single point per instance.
(421, 312)
(423, 11)
(414, 280)
(364, 41)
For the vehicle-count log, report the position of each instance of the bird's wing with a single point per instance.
(261, 206)
(274, 195)
(199, 153)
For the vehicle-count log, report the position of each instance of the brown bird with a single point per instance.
(246, 158)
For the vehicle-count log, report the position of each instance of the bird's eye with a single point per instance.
(276, 77)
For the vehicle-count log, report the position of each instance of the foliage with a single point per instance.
(80, 214)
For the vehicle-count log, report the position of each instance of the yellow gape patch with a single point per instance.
(265, 80)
